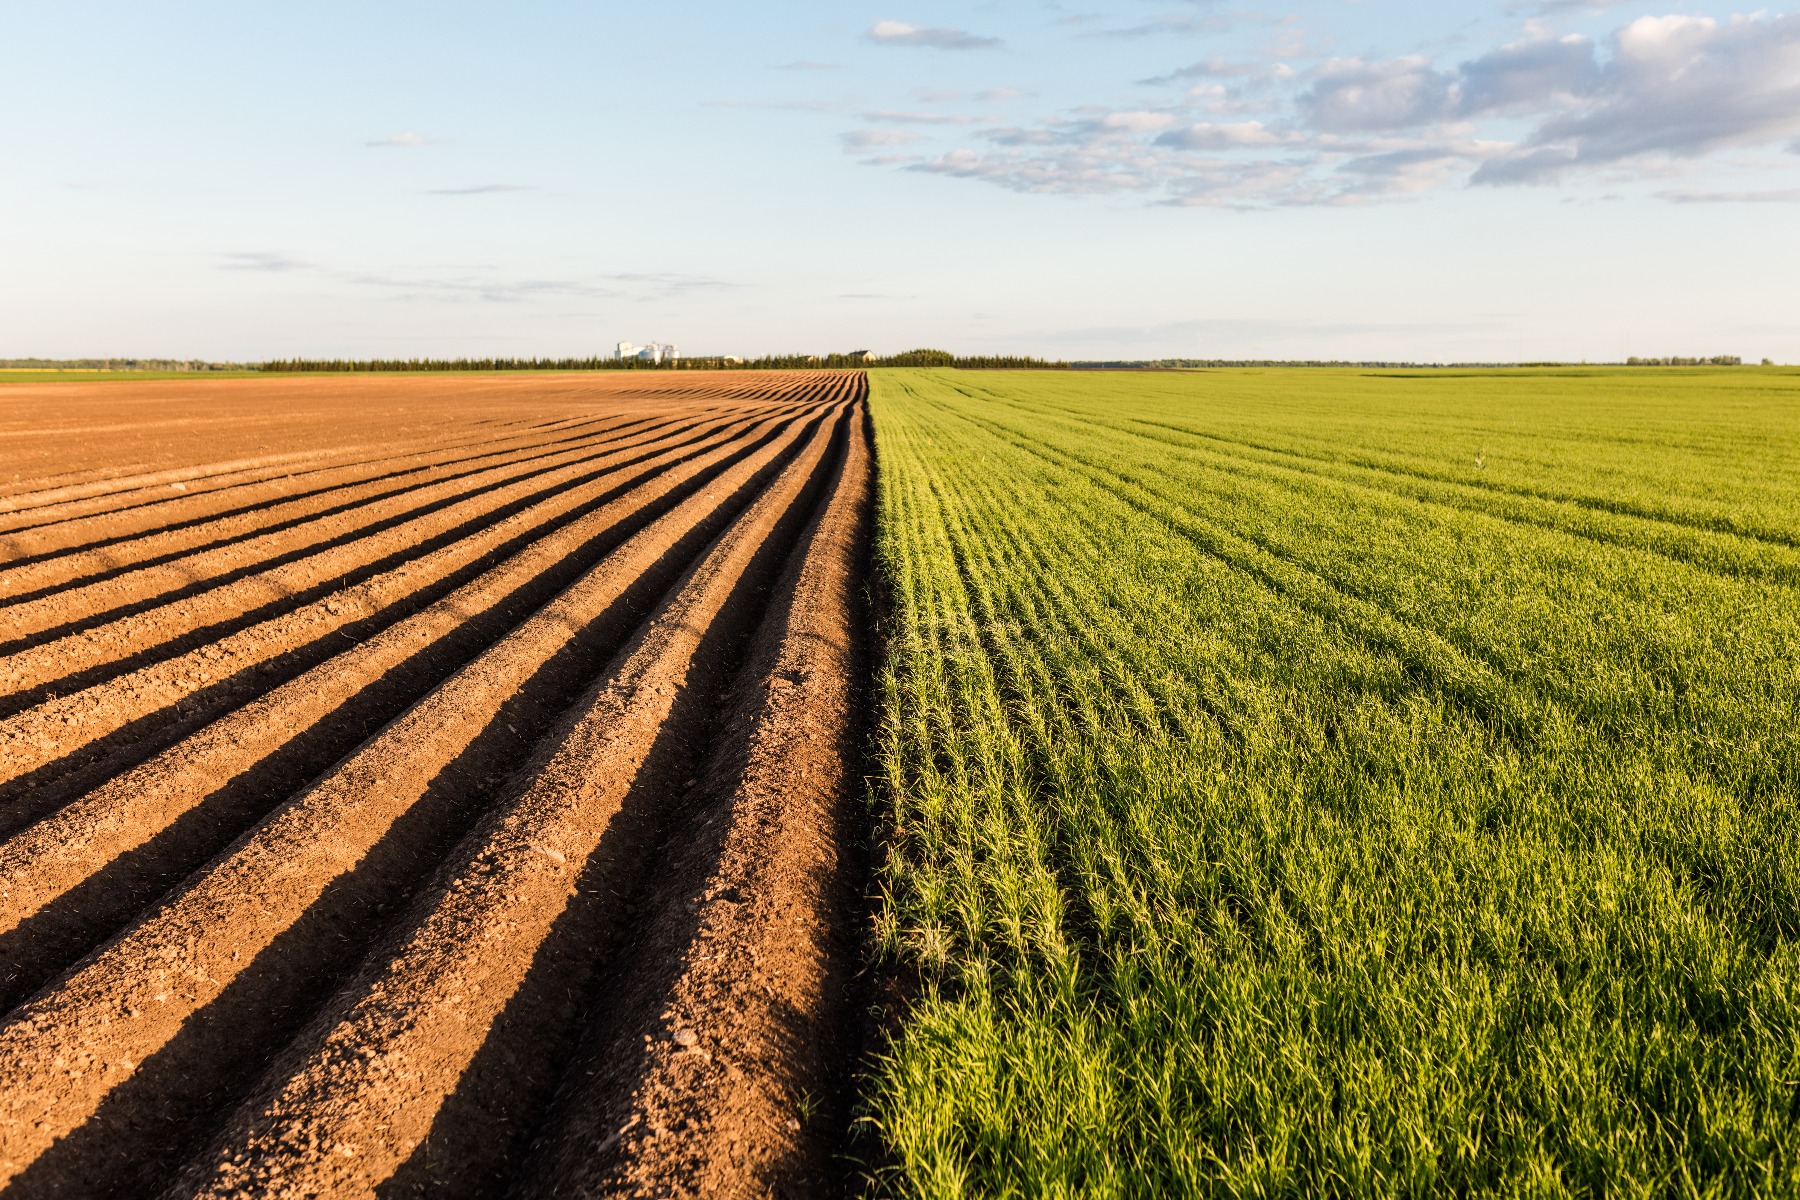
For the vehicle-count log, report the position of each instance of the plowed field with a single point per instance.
(427, 785)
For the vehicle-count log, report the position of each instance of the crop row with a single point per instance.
(1282, 808)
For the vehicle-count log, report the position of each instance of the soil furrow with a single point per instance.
(91, 653)
(57, 555)
(43, 862)
(70, 430)
(290, 890)
(140, 507)
(368, 1086)
(116, 595)
(231, 668)
(391, 767)
(200, 478)
(717, 1068)
(20, 501)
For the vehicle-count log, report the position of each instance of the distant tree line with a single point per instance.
(968, 362)
(114, 364)
(292, 366)
(770, 362)
(1717, 360)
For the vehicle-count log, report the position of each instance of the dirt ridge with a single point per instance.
(220, 977)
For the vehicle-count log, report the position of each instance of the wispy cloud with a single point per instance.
(899, 33)
(1352, 130)
(404, 141)
(1675, 87)
(1211, 135)
(1552, 7)
(481, 189)
(998, 95)
(672, 283)
(865, 141)
(820, 106)
(1181, 24)
(485, 285)
(1216, 67)
(1773, 196)
(886, 116)
(255, 260)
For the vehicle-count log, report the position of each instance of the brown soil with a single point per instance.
(429, 786)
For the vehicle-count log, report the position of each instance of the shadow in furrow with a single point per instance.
(29, 797)
(109, 513)
(152, 1122)
(481, 1134)
(103, 574)
(193, 638)
(202, 584)
(47, 942)
(807, 1052)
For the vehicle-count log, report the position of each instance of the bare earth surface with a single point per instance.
(432, 786)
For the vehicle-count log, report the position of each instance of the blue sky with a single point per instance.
(1461, 180)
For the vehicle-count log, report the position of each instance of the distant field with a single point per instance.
(26, 375)
(1341, 783)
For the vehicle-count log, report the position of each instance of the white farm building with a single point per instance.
(655, 352)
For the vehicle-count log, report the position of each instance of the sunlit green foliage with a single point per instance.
(1341, 783)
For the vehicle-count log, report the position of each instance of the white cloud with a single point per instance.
(818, 106)
(1179, 24)
(1087, 170)
(1404, 171)
(480, 189)
(862, 141)
(1352, 130)
(1772, 196)
(892, 117)
(1525, 75)
(1357, 96)
(1138, 122)
(482, 284)
(899, 33)
(1350, 95)
(1675, 87)
(256, 260)
(1567, 6)
(406, 140)
(1216, 67)
(1207, 135)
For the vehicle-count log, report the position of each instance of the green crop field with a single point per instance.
(1340, 783)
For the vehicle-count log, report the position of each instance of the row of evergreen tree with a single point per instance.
(114, 364)
(1717, 360)
(294, 366)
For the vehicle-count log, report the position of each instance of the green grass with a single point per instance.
(1341, 783)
